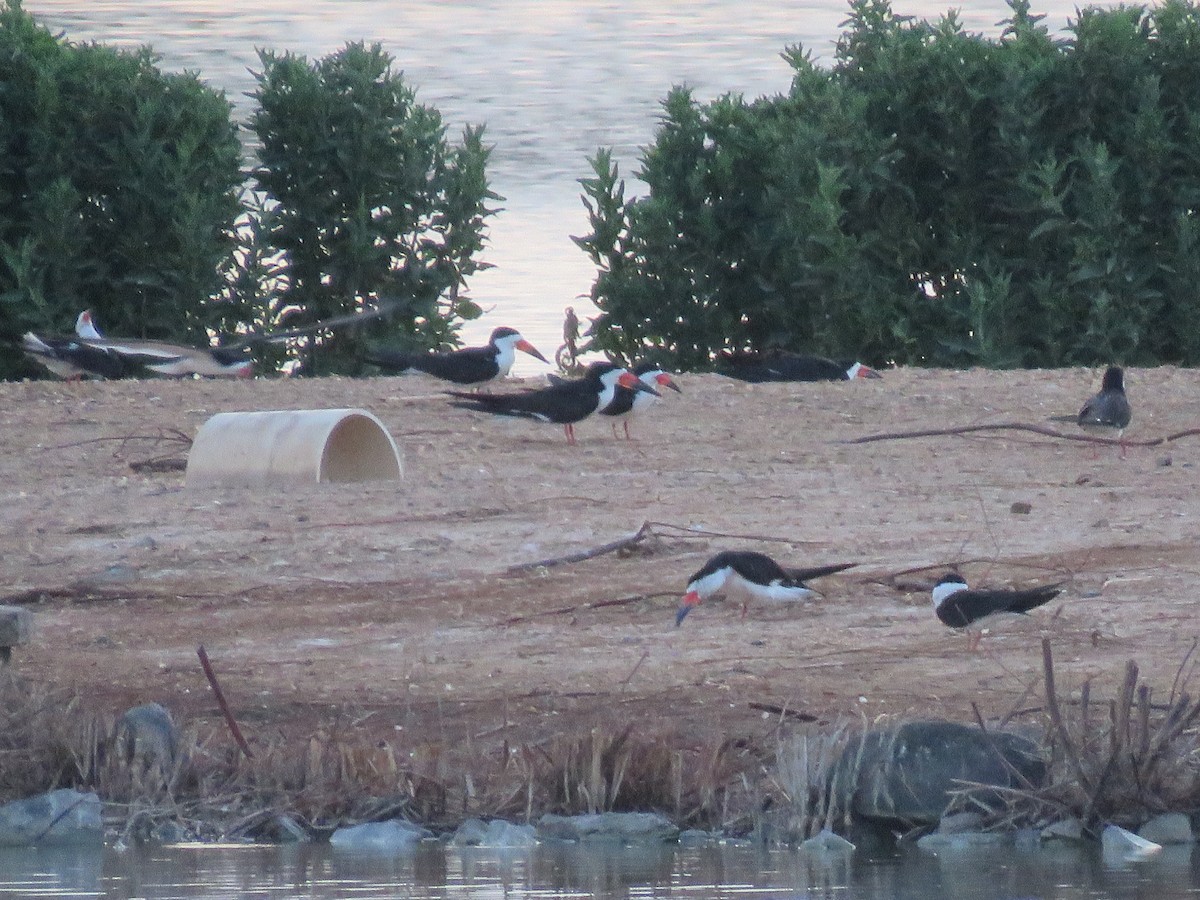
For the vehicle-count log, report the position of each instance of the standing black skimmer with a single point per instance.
(1108, 411)
(470, 365)
(752, 576)
(564, 403)
(781, 366)
(627, 403)
(960, 607)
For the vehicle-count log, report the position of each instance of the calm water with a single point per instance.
(712, 872)
(551, 80)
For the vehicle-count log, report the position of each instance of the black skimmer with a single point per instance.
(1108, 411)
(470, 365)
(175, 360)
(86, 328)
(781, 366)
(627, 403)
(563, 403)
(960, 607)
(95, 354)
(70, 358)
(752, 576)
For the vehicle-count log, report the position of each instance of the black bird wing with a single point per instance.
(1108, 409)
(802, 575)
(965, 607)
(563, 403)
(470, 365)
(782, 367)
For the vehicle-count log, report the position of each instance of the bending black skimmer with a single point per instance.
(1108, 412)
(782, 366)
(751, 576)
(564, 403)
(960, 607)
(470, 365)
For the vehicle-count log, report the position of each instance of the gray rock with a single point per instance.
(1066, 829)
(694, 837)
(614, 827)
(148, 740)
(906, 774)
(392, 836)
(497, 833)
(827, 842)
(966, 840)
(59, 817)
(959, 823)
(289, 831)
(1169, 828)
(1119, 847)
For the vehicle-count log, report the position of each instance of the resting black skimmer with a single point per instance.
(71, 358)
(90, 352)
(751, 576)
(960, 607)
(1108, 411)
(564, 403)
(758, 367)
(470, 365)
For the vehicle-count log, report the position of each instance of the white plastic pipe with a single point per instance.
(300, 446)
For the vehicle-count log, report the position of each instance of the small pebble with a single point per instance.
(1021, 508)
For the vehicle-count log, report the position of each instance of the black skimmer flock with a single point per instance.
(781, 366)
(563, 403)
(1108, 411)
(470, 365)
(750, 576)
(960, 607)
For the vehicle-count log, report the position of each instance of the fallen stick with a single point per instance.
(220, 695)
(1043, 430)
(611, 547)
(577, 607)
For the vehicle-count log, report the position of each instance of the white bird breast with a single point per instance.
(943, 591)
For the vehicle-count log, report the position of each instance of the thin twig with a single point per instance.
(1056, 714)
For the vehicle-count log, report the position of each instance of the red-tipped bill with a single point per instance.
(690, 600)
(527, 347)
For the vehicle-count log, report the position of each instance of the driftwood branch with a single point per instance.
(646, 531)
(1043, 430)
(220, 695)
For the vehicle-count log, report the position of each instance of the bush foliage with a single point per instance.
(122, 191)
(935, 198)
(118, 185)
(371, 204)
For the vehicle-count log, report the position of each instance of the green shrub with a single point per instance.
(117, 189)
(370, 203)
(935, 198)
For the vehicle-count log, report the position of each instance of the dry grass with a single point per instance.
(1121, 760)
(211, 790)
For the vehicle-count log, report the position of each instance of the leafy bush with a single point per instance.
(370, 203)
(936, 198)
(117, 189)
